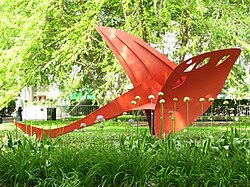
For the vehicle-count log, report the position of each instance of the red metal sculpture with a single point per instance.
(172, 96)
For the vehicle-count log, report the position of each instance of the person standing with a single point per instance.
(19, 108)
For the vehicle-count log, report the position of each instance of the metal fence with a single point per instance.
(84, 110)
(74, 110)
(238, 110)
(244, 110)
(79, 110)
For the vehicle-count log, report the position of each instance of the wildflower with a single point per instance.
(175, 99)
(137, 97)
(83, 125)
(162, 101)
(131, 121)
(119, 121)
(225, 103)
(211, 99)
(99, 118)
(133, 102)
(75, 130)
(202, 99)
(125, 113)
(170, 112)
(186, 99)
(151, 97)
(160, 93)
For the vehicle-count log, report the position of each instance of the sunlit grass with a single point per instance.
(118, 155)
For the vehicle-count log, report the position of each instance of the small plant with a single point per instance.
(186, 100)
(131, 121)
(151, 98)
(126, 159)
(162, 101)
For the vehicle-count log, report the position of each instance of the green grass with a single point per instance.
(118, 155)
(6, 126)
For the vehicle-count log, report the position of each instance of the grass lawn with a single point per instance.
(123, 155)
(120, 127)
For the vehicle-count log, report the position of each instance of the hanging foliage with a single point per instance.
(55, 42)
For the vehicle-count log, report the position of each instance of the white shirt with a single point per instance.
(19, 103)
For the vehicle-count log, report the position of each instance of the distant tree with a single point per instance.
(55, 42)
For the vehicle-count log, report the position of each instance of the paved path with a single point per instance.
(7, 119)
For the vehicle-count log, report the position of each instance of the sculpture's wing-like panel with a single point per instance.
(202, 76)
(140, 61)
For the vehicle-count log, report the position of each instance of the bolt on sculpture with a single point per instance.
(172, 96)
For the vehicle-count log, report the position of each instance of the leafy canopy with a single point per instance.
(55, 42)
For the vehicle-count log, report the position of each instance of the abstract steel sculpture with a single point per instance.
(186, 91)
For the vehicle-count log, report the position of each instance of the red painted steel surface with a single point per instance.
(197, 81)
(150, 73)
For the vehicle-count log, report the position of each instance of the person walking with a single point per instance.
(19, 108)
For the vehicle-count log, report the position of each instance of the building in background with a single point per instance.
(42, 103)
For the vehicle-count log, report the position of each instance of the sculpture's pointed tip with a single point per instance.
(102, 28)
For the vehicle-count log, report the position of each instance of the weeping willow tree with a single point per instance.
(55, 42)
